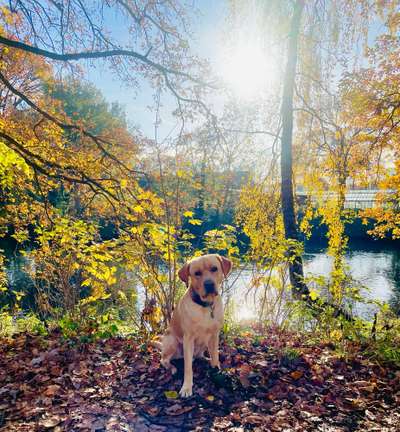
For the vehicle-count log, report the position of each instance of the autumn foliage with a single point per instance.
(101, 217)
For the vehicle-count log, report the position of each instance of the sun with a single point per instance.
(247, 70)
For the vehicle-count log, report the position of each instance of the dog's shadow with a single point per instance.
(214, 393)
(202, 366)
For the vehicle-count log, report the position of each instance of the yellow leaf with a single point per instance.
(138, 209)
(171, 394)
(336, 335)
(195, 221)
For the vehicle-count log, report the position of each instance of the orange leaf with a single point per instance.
(297, 374)
(52, 390)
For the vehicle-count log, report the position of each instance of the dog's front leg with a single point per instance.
(188, 349)
(213, 350)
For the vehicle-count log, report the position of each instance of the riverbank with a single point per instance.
(374, 265)
(273, 382)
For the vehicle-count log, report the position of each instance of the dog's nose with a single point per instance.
(209, 286)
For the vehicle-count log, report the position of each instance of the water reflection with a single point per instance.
(374, 266)
(395, 275)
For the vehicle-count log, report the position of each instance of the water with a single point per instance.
(374, 266)
(377, 269)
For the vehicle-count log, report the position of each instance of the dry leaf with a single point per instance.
(171, 394)
(52, 390)
(177, 409)
(297, 374)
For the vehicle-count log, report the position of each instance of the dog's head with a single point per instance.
(205, 274)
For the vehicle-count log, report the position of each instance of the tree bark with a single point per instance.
(296, 273)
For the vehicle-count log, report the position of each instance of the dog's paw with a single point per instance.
(186, 391)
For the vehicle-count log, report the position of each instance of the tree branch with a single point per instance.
(66, 126)
(30, 157)
(98, 55)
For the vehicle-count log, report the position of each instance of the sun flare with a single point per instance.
(247, 70)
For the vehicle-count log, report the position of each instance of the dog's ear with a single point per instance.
(183, 273)
(225, 264)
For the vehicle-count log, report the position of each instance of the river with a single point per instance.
(374, 265)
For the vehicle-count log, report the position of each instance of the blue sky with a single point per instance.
(137, 100)
(208, 31)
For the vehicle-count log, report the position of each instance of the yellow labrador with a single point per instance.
(198, 317)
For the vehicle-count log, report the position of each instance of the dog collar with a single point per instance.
(196, 298)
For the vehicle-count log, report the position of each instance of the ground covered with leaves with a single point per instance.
(273, 383)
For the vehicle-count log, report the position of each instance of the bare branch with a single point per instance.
(99, 55)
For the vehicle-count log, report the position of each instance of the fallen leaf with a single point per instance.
(254, 419)
(153, 411)
(50, 422)
(297, 374)
(177, 409)
(171, 394)
(244, 375)
(52, 390)
(369, 415)
(37, 360)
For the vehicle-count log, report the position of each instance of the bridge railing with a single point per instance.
(354, 199)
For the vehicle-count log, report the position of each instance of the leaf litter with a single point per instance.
(119, 385)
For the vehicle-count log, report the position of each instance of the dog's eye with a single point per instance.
(197, 273)
(214, 269)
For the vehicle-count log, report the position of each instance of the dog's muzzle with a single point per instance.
(209, 287)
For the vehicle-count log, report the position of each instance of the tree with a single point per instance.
(315, 70)
(372, 96)
(83, 102)
(287, 195)
(41, 32)
(57, 148)
(320, 40)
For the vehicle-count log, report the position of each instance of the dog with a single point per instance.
(197, 320)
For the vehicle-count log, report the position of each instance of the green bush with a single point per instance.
(20, 323)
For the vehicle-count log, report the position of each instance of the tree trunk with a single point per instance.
(287, 196)
(296, 274)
